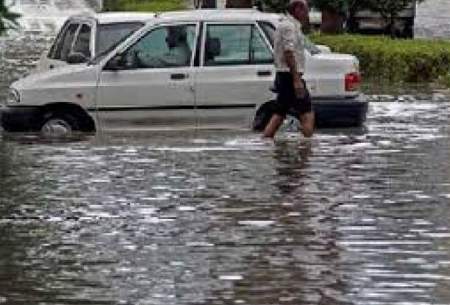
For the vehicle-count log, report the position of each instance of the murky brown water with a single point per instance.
(350, 217)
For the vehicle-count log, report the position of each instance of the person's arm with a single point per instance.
(296, 76)
(289, 38)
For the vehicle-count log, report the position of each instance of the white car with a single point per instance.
(84, 36)
(218, 74)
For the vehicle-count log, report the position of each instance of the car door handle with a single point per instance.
(179, 76)
(264, 73)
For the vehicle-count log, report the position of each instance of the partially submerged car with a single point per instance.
(189, 69)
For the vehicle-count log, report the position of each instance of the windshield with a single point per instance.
(111, 35)
(311, 47)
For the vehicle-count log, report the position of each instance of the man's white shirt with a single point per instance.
(289, 37)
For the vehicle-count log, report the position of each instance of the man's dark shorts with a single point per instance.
(287, 101)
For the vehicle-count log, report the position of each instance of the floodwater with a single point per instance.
(354, 216)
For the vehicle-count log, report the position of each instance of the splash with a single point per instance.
(46, 15)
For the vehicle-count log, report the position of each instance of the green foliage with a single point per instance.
(384, 59)
(338, 6)
(390, 8)
(144, 5)
(8, 20)
(386, 8)
(278, 6)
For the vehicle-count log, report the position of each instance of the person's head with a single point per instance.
(299, 9)
(176, 35)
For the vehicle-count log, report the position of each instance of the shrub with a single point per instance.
(396, 60)
(145, 5)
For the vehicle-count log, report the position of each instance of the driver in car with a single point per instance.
(178, 54)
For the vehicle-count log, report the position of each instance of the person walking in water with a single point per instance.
(289, 52)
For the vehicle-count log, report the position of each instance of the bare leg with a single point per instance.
(274, 123)
(307, 120)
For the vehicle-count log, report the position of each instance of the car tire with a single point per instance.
(57, 125)
(263, 116)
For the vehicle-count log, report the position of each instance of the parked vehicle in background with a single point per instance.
(368, 22)
(83, 37)
(188, 69)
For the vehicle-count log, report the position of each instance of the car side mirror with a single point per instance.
(115, 63)
(76, 58)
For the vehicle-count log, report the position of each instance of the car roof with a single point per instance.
(218, 15)
(186, 15)
(117, 17)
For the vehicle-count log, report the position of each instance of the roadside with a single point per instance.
(383, 59)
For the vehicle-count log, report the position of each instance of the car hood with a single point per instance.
(61, 75)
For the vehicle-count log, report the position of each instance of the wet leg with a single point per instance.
(274, 123)
(308, 120)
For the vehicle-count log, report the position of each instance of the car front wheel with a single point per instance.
(59, 125)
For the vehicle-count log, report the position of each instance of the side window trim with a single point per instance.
(199, 45)
(75, 37)
(264, 35)
(254, 26)
(93, 47)
(264, 38)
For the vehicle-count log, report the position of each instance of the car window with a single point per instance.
(311, 47)
(165, 47)
(260, 51)
(109, 35)
(83, 41)
(64, 45)
(239, 44)
(58, 41)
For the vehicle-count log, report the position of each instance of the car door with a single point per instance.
(153, 85)
(75, 36)
(235, 75)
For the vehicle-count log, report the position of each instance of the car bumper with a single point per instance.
(19, 119)
(335, 113)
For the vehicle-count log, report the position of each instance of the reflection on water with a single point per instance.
(350, 217)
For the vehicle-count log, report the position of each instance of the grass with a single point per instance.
(395, 60)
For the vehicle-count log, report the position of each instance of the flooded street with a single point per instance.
(353, 216)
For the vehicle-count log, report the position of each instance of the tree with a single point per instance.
(390, 10)
(278, 6)
(111, 5)
(8, 19)
(333, 14)
(353, 7)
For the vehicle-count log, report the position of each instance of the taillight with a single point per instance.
(352, 81)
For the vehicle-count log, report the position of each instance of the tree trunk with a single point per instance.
(352, 23)
(332, 22)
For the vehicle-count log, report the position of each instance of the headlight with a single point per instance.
(13, 97)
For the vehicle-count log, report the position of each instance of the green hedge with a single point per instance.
(146, 5)
(394, 60)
